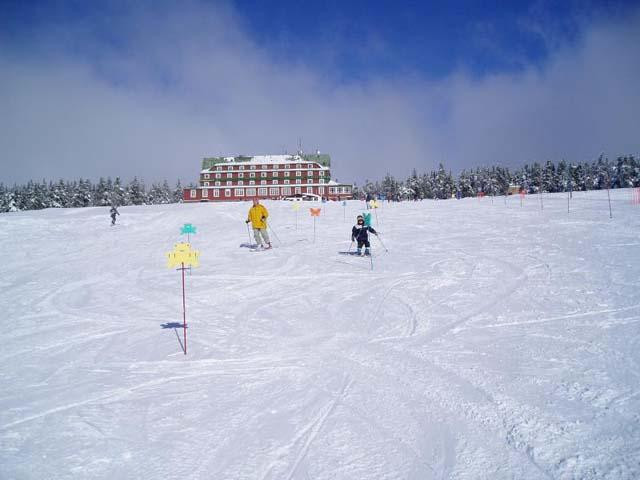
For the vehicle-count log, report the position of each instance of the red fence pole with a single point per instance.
(184, 312)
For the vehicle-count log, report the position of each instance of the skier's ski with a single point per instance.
(248, 245)
(353, 253)
(258, 249)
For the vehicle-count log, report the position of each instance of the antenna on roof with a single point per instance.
(299, 145)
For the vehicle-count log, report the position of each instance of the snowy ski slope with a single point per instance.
(493, 341)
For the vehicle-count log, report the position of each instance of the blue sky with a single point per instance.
(148, 88)
(357, 39)
(386, 37)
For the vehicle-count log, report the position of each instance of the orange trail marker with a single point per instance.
(315, 212)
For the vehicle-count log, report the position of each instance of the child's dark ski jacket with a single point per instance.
(360, 233)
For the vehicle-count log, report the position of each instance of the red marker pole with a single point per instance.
(184, 312)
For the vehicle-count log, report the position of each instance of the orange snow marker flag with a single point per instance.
(182, 255)
(315, 212)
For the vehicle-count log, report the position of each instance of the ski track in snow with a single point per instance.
(491, 341)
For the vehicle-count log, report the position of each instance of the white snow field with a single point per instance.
(492, 341)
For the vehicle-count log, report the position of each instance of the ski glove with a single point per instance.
(247, 221)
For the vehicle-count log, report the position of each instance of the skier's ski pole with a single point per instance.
(351, 245)
(382, 243)
(371, 258)
(249, 233)
(274, 234)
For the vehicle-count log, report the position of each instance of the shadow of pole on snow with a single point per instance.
(175, 326)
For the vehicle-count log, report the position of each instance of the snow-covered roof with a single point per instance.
(275, 158)
(263, 159)
(322, 158)
(259, 160)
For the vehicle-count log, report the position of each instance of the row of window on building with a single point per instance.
(262, 182)
(265, 167)
(298, 173)
(264, 191)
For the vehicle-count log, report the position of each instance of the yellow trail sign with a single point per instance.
(182, 254)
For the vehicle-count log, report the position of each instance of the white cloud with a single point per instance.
(192, 83)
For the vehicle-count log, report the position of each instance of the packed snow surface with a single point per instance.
(491, 341)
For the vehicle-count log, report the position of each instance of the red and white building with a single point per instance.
(267, 177)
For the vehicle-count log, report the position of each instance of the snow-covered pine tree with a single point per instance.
(102, 194)
(548, 177)
(601, 175)
(58, 195)
(502, 180)
(390, 187)
(177, 193)
(8, 200)
(118, 196)
(159, 194)
(465, 185)
(634, 163)
(32, 197)
(39, 196)
(426, 185)
(135, 192)
(3, 198)
(443, 183)
(166, 192)
(412, 186)
(561, 177)
(82, 194)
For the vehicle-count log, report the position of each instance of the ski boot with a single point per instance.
(367, 252)
(359, 252)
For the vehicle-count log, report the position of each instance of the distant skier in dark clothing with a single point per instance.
(360, 233)
(113, 212)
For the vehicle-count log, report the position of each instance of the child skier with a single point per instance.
(360, 233)
(113, 212)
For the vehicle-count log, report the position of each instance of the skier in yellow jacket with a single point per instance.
(258, 217)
